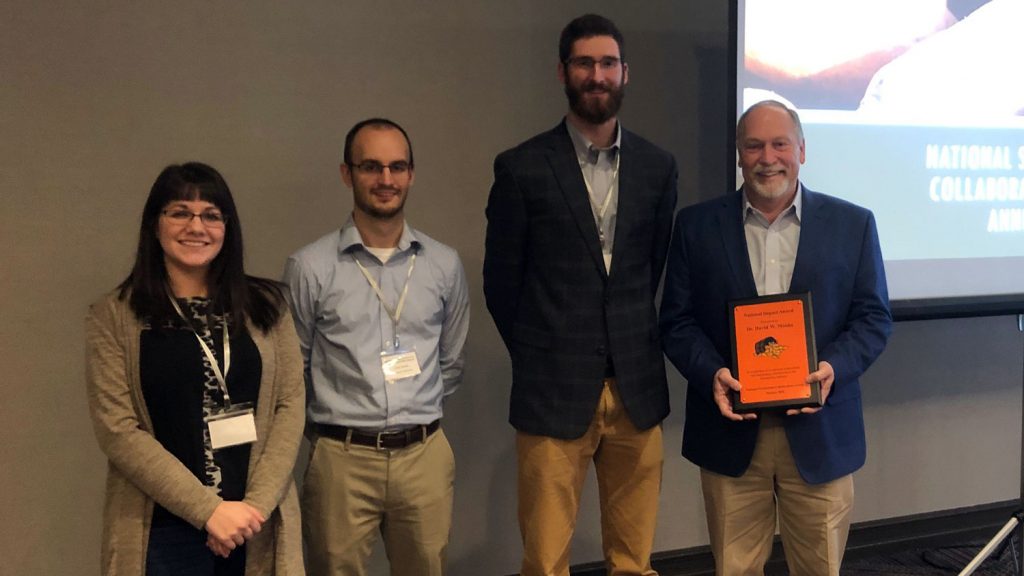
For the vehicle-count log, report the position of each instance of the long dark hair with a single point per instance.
(246, 297)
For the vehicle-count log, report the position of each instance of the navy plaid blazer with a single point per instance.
(560, 314)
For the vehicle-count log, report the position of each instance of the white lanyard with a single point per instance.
(221, 376)
(395, 313)
(601, 210)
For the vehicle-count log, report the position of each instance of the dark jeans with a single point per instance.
(178, 549)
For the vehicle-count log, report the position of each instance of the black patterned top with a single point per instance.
(180, 389)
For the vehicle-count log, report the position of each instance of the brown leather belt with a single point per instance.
(382, 440)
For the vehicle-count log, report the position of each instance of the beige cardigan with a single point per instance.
(140, 471)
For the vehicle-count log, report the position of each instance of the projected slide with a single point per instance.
(915, 109)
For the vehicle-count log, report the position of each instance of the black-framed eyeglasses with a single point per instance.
(587, 63)
(397, 168)
(209, 218)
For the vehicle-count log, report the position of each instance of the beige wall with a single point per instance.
(97, 97)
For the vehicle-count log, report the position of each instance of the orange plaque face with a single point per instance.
(773, 352)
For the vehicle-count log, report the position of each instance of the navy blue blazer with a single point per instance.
(560, 314)
(839, 261)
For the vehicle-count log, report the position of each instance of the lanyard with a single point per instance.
(221, 376)
(600, 211)
(395, 313)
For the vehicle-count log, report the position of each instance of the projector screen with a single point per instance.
(914, 109)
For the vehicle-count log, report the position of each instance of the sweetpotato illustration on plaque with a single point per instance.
(769, 347)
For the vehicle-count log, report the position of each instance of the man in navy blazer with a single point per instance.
(775, 236)
(578, 222)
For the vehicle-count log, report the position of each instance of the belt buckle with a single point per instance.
(380, 440)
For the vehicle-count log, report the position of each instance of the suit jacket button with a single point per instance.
(601, 351)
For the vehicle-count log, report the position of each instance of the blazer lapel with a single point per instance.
(562, 158)
(812, 231)
(730, 223)
(628, 200)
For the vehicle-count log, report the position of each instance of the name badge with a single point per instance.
(399, 364)
(232, 427)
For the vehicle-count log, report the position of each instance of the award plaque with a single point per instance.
(773, 352)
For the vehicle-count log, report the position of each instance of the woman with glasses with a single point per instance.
(196, 396)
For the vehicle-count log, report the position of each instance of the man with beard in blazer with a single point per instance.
(579, 219)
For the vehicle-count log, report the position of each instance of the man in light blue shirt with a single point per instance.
(382, 312)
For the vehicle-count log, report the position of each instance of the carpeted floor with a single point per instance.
(946, 560)
(926, 546)
(926, 561)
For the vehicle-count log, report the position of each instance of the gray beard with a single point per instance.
(771, 192)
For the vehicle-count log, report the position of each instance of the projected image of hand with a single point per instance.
(822, 54)
(967, 72)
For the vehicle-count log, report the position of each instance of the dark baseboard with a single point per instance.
(932, 529)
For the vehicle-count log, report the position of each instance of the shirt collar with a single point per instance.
(795, 208)
(585, 149)
(352, 240)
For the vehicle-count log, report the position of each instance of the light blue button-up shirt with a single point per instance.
(343, 328)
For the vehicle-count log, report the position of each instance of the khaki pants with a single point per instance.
(814, 520)
(551, 473)
(351, 492)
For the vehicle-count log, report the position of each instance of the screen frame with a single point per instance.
(902, 309)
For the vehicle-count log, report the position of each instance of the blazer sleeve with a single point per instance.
(685, 343)
(869, 320)
(135, 452)
(272, 474)
(505, 248)
(663, 233)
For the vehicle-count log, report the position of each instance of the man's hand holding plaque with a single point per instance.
(824, 376)
(723, 389)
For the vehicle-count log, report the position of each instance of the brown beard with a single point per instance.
(592, 111)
